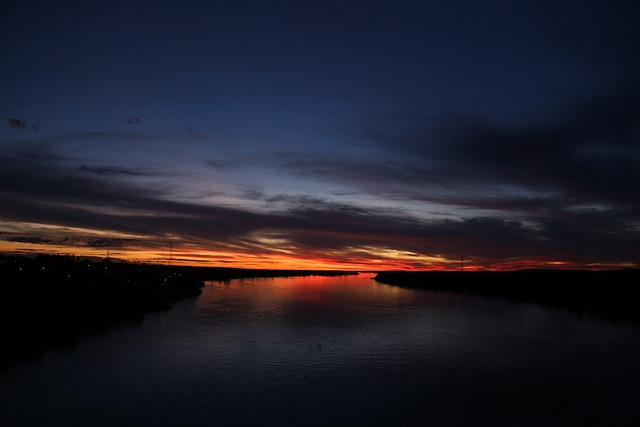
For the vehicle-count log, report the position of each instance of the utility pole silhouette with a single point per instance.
(461, 263)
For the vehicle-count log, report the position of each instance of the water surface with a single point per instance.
(336, 351)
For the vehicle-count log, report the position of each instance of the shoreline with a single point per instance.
(53, 301)
(612, 295)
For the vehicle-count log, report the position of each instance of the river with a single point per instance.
(328, 351)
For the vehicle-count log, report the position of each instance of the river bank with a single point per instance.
(612, 295)
(50, 301)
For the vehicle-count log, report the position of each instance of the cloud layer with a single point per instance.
(323, 134)
(561, 191)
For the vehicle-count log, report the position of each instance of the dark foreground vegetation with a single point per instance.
(51, 301)
(611, 295)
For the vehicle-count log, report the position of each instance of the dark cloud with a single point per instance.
(109, 242)
(111, 170)
(292, 201)
(253, 193)
(593, 153)
(567, 185)
(27, 239)
(73, 241)
(17, 123)
(35, 190)
(590, 155)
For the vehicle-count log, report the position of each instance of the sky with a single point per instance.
(351, 134)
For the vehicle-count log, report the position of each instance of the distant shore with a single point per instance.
(51, 301)
(612, 295)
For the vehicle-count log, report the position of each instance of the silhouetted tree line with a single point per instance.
(612, 294)
(51, 300)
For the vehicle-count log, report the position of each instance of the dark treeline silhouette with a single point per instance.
(611, 295)
(52, 300)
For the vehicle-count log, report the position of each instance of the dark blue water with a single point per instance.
(336, 351)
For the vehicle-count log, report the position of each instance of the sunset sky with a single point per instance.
(345, 134)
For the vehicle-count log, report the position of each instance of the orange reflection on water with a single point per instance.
(272, 293)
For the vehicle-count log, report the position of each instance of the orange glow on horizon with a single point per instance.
(359, 261)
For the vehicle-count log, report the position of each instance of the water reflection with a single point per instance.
(336, 351)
